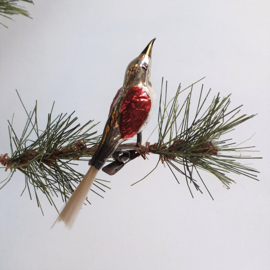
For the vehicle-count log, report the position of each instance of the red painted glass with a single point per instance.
(134, 111)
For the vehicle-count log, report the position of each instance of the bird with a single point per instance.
(129, 113)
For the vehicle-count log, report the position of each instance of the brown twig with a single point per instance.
(79, 149)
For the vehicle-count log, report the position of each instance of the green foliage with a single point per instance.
(185, 144)
(10, 7)
(47, 160)
(192, 144)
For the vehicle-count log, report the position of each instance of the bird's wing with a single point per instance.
(114, 99)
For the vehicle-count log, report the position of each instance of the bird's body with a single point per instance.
(129, 113)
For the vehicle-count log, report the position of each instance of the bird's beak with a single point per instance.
(148, 49)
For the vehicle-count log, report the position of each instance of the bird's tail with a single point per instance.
(74, 204)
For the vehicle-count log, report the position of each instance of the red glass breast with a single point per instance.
(134, 111)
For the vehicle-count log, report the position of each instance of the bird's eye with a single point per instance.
(144, 66)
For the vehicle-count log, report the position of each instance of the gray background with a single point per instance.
(75, 53)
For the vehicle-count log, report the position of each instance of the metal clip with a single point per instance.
(122, 157)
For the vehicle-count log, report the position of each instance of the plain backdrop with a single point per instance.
(75, 53)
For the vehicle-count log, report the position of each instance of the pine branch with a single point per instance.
(9, 8)
(47, 160)
(186, 145)
(195, 144)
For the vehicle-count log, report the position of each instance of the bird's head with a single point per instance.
(138, 72)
